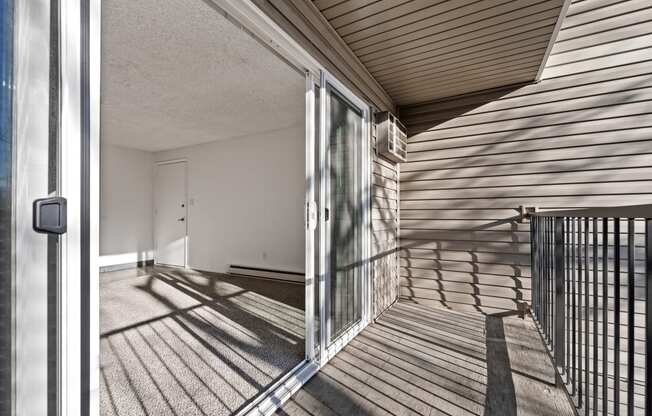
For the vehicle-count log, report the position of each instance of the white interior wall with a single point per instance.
(245, 201)
(126, 205)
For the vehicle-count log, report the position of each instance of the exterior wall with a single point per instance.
(581, 137)
(384, 240)
(308, 27)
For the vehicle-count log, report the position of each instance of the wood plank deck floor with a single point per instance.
(417, 360)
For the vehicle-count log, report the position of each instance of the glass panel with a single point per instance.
(345, 141)
(6, 128)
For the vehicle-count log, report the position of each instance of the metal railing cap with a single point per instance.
(628, 211)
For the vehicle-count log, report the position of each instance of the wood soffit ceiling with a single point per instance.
(424, 50)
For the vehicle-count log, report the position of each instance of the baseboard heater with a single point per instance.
(289, 276)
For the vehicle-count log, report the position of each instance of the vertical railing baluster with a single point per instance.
(536, 267)
(533, 264)
(548, 305)
(547, 272)
(587, 298)
(631, 257)
(566, 281)
(544, 298)
(544, 275)
(573, 365)
(552, 282)
(541, 308)
(594, 230)
(560, 307)
(548, 299)
(541, 278)
(551, 266)
(648, 316)
(580, 315)
(605, 312)
(616, 316)
(539, 260)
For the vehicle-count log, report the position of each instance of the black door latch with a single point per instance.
(50, 215)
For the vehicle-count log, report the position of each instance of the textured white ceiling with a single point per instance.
(177, 73)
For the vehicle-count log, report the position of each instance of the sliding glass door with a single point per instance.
(344, 157)
(344, 142)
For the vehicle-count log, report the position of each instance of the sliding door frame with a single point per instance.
(311, 220)
(29, 254)
(70, 118)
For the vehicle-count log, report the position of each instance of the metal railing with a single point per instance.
(592, 301)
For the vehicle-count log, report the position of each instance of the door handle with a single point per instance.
(181, 219)
(49, 215)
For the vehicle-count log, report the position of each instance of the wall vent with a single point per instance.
(391, 137)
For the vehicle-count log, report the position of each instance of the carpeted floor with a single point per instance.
(182, 342)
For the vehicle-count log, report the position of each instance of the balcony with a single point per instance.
(582, 349)
(416, 360)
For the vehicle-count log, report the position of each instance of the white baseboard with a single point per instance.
(108, 262)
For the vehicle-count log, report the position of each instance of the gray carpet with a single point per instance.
(181, 342)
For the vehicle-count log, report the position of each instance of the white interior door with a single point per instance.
(170, 214)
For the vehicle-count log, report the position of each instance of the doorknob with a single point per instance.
(181, 219)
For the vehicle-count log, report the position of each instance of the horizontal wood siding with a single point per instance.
(385, 227)
(422, 50)
(581, 137)
(307, 26)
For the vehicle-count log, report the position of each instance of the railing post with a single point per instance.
(560, 304)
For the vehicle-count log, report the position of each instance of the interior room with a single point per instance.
(201, 211)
